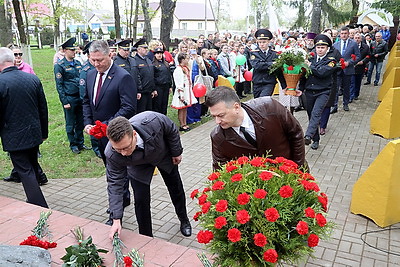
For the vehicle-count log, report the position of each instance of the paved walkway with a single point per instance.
(345, 153)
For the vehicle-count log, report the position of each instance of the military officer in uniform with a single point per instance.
(262, 59)
(318, 86)
(82, 87)
(125, 61)
(67, 82)
(146, 76)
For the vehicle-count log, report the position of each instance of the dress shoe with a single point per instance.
(307, 140)
(333, 110)
(375, 84)
(109, 222)
(43, 179)
(97, 154)
(75, 150)
(298, 108)
(350, 100)
(322, 131)
(340, 93)
(356, 98)
(184, 128)
(83, 147)
(346, 108)
(186, 228)
(367, 83)
(127, 202)
(315, 145)
(12, 179)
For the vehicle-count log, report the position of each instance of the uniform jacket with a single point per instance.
(364, 57)
(67, 79)
(162, 73)
(82, 77)
(278, 133)
(146, 74)
(351, 49)
(129, 64)
(321, 77)
(117, 96)
(161, 142)
(23, 110)
(261, 64)
(380, 49)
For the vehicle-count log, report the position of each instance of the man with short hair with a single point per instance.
(379, 49)
(359, 67)
(258, 127)
(23, 123)
(137, 146)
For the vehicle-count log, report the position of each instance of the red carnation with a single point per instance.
(243, 199)
(220, 222)
(279, 52)
(206, 189)
(260, 193)
(202, 199)
(271, 214)
(265, 176)
(194, 193)
(234, 235)
(271, 255)
(310, 213)
(242, 160)
(221, 206)
(307, 176)
(236, 177)
(242, 216)
(214, 176)
(260, 240)
(342, 63)
(323, 199)
(231, 168)
(128, 261)
(99, 130)
(205, 236)
(354, 57)
(197, 215)
(312, 54)
(313, 240)
(321, 220)
(290, 68)
(218, 185)
(286, 191)
(302, 228)
(257, 162)
(206, 207)
(367, 56)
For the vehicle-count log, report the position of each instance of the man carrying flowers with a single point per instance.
(318, 86)
(258, 127)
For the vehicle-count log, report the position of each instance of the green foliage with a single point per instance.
(84, 254)
(101, 31)
(392, 6)
(112, 34)
(47, 36)
(290, 57)
(286, 188)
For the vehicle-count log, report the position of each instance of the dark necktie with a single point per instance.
(248, 137)
(344, 47)
(99, 84)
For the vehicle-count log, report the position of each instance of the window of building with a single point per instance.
(184, 25)
(200, 25)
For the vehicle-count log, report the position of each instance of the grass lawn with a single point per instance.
(57, 159)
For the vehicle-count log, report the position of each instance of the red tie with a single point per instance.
(99, 84)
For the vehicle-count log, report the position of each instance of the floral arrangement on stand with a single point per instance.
(260, 211)
(292, 62)
(131, 259)
(40, 232)
(85, 253)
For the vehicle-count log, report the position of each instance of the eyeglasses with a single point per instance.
(18, 54)
(120, 150)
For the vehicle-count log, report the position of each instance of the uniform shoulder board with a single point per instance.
(86, 68)
(332, 58)
(121, 65)
(255, 50)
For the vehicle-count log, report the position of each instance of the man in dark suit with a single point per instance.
(110, 92)
(136, 147)
(258, 127)
(350, 53)
(23, 123)
(359, 67)
(261, 59)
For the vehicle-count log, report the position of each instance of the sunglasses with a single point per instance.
(18, 54)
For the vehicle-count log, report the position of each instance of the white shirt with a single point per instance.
(102, 82)
(247, 124)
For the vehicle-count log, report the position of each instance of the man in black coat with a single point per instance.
(23, 123)
(359, 67)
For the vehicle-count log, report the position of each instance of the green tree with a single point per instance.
(5, 21)
(117, 20)
(392, 6)
(112, 34)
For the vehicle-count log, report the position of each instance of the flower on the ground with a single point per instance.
(39, 232)
(260, 211)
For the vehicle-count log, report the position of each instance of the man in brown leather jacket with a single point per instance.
(258, 127)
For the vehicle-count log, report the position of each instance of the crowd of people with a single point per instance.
(126, 85)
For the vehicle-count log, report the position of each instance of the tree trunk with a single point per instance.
(147, 26)
(5, 19)
(135, 20)
(130, 28)
(258, 15)
(27, 22)
(20, 22)
(55, 4)
(167, 20)
(117, 19)
(316, 16)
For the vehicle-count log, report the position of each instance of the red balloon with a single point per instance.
(216, 83)
(248, 76)
(199, 90)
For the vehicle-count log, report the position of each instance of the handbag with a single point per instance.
(207, 80)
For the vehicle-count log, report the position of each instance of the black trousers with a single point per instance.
(263, 90)
(145, 103)
(142, 198)
(27, 166)
(160, 103)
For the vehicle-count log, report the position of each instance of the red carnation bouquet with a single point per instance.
(260, 211)
(39, 233)
(99, 130)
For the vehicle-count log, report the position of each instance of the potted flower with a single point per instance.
(292, 62)
(261, 211)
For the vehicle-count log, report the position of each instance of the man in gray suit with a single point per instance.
(136, 146)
